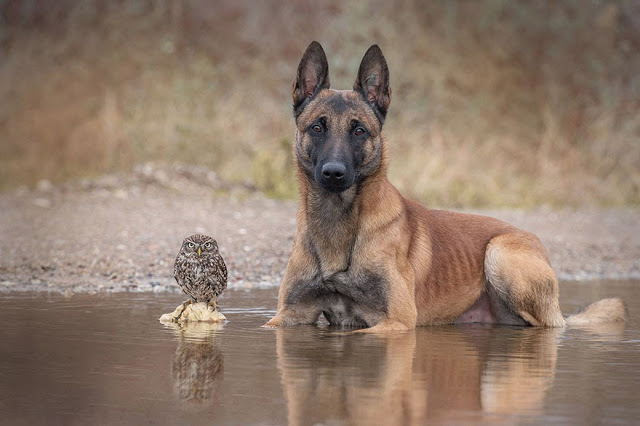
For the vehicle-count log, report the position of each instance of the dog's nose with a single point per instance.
(334, 171)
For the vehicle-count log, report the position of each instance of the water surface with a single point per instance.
(106, 359)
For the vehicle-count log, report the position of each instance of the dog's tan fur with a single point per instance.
(364, 255)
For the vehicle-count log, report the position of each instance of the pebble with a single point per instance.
(44, 185)
(45, 203)
(120, 194)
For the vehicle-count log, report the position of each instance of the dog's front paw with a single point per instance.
(274, 322)
(289, 317)
(386, 326)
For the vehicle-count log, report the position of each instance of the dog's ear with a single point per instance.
(313, 75)
(373, 80)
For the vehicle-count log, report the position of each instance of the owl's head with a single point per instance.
(199, 245)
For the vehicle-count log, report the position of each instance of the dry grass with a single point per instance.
(495, 103)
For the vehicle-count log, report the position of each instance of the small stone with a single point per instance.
(120, 194)
(21, 190)
(44, 185)
(45, 203)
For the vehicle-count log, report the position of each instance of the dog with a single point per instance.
(364, 256)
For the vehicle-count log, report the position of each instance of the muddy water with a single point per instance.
(107, 360)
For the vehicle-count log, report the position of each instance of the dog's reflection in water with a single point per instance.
(343, 379)
(433, 374)
(197, 366)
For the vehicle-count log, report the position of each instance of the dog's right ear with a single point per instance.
(313, 76)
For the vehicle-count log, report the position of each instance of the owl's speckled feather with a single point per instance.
(200, 270)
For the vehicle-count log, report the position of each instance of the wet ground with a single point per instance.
(105, 359)
(121, 233)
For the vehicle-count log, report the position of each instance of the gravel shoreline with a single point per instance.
(122, 232)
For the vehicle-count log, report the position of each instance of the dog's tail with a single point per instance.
(609, 310)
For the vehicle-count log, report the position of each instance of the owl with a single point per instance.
(200, 270)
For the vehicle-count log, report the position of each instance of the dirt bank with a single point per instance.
(121, 233)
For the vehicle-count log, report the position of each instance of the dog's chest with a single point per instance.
(332, 237)
(333, 255)
(348, 293)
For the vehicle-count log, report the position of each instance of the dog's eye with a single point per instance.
(316, 128)
(359, 131)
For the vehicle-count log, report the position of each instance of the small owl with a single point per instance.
(200, 270)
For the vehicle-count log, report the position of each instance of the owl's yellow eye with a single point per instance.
(208, 245)
(191, 245)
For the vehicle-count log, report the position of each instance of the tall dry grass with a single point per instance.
(495, 103)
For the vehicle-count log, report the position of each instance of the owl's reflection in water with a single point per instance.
(197, 366)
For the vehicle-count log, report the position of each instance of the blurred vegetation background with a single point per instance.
(495, 102)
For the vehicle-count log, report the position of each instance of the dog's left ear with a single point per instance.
(373, 80)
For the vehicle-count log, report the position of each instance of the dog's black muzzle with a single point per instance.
(334, 175)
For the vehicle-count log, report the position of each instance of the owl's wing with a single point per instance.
(219, 269)
(223, 270)
(177, 275)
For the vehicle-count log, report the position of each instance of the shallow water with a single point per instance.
(107, 360)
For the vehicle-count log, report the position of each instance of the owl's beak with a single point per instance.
(199, 251)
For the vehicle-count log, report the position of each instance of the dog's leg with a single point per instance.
(384, 326)
(300, 314)
(518, 273)
(401, 310)
(295, 302)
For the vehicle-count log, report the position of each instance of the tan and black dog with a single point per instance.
(365, 256)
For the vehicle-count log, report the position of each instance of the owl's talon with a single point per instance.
(184, 307)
